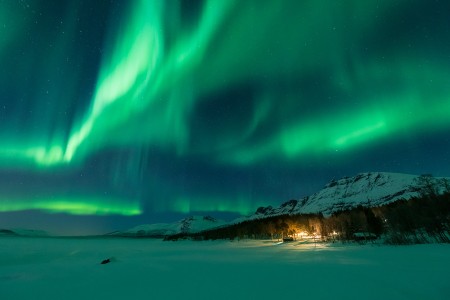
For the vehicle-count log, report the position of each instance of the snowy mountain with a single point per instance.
(188, 225)
(366, 189)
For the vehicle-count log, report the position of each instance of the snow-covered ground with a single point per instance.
(69, 268)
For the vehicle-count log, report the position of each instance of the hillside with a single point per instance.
(188, 225)
(23, 232)
(365, 189)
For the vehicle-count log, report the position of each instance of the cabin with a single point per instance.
(288, 239)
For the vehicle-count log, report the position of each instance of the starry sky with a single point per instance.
(119, 113)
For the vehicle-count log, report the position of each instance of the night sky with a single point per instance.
(119, 113)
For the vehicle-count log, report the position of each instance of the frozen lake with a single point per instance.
(69, 268)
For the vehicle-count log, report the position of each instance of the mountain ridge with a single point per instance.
(23, 232)
(368, 189)
(192, 224)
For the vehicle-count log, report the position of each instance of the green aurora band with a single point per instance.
(81, 206)
(157, 70)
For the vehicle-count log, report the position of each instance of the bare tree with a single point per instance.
(428, 185)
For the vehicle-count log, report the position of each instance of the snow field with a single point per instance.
(69, 268)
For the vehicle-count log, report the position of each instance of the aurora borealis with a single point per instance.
(116, 113)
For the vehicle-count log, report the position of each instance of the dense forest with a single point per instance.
(422, 219)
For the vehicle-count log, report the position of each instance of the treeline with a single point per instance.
(422, 219)
(275, 227)
(418, 220)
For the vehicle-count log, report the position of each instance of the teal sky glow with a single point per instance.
(152, 108)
